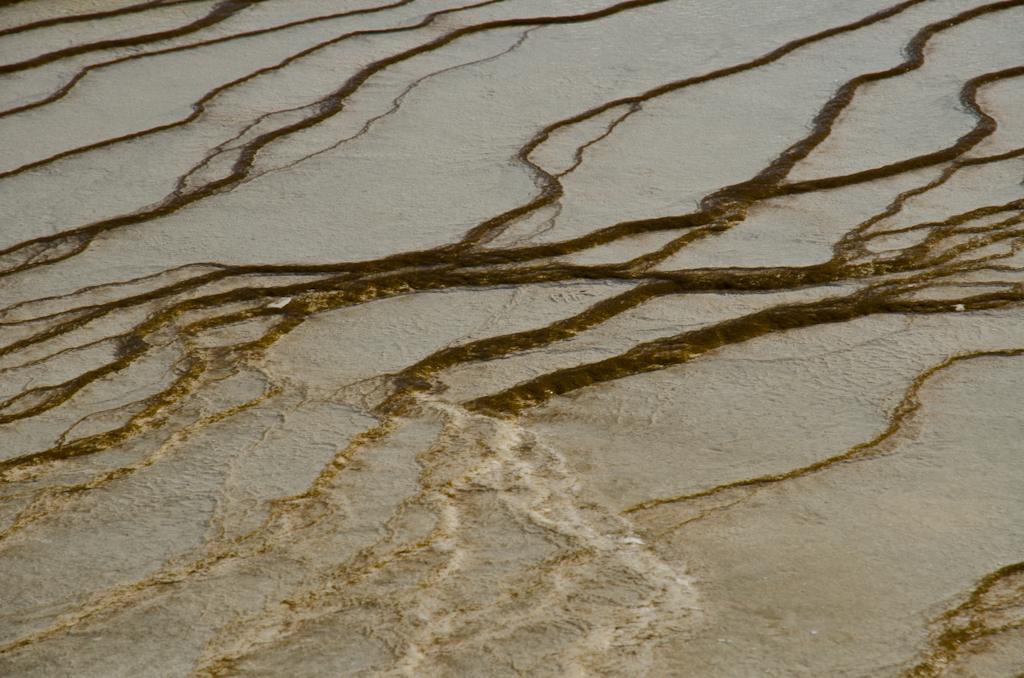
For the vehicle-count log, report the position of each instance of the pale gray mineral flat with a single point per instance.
(584, 338)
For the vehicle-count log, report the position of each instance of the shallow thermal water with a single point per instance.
(516, 338)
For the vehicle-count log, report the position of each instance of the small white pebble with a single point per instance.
(814, 633)
(958, 307)
(721, 640)
(280, 303)
(633, 540)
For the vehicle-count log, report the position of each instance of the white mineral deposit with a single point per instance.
(537, 338)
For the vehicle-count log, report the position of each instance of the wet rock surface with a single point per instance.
(514, 338)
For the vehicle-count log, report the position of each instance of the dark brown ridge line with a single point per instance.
(358, 292)
(30, 513)
(346, 291)
(448, 40)
(614, 232)
(919, 259)
(479, 231)
(670, 351)
(552, 189)
(60, 393)
(41, 251)
(395, 106)
(67, 87)
(182, 386)
(199, 107)
(86, 314)
(254, 293)
(971, 88)
(854, 239)
(946, 647)
(343, 274)
(578, 155)
(92, 288)
(181, 183)
(331, 105)
(79, 319)
(767, 182)
(220, 12)
(943, 229)
(951, 224)
(968, 98)
(102, 441)
(397, 267)
(981, 160)
(852, 243)
(921, 252)
(292, 320)
(132, 345)
(68, 349)
(722, 205)
(415, 377)
(908, 405)
(398, 281)
(715, 217)
(75, 18)
(176, 201)
(696, 280)
(688, 281)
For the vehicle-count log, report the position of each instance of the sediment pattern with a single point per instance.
(511, 338)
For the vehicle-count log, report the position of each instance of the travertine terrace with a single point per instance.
(575, 338)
